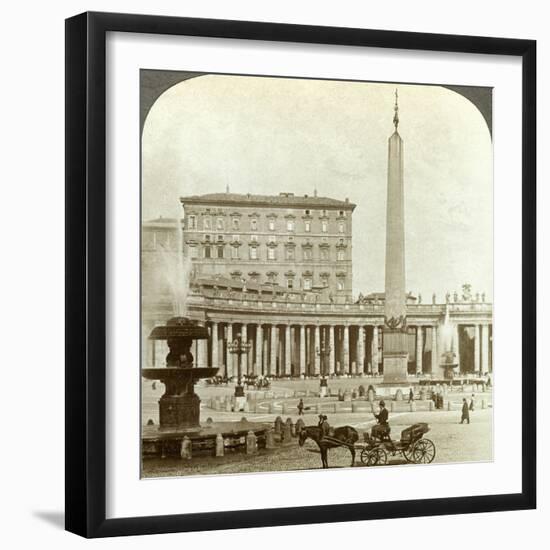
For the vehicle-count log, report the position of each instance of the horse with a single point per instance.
(344, 436)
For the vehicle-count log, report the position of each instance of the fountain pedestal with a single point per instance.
(179, 407)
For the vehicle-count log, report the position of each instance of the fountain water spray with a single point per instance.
(446, 334)
(173, 269)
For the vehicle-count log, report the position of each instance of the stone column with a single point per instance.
(456, 346)
(273, 358)
(229, 356)
(484, 349)
(360, 349)
(202, 349)
(287, 363)
(302, 350)
(419, 349)
(435, 351)
(375, 356)
(331, 355)
(477, 343)
(294, 359)
(214, 343)
(259, 350)
(346, 349)
(244, 357)
(266, 351)
(317, 346)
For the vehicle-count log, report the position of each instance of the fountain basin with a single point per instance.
(167, 443)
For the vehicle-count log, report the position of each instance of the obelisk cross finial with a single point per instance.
(396, 112)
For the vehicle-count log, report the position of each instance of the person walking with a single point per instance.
(411, 395)
(465, 411)
(472, 403)
(300, 407)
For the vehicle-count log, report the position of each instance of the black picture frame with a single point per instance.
(86, 273)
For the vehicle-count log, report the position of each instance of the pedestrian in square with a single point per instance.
(465, 411)
(472, 403)
(301, 407)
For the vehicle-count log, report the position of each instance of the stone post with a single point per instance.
(251, 443)
(287, 432)
(302, 350)
(269, 439)
(186, 449)
(419, 349)
(219, 445)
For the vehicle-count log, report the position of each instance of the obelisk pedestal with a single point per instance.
(395, 356)
(395, 339)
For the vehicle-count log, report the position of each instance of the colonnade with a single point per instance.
(296, 349)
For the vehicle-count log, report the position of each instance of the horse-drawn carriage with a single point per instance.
(413, 446)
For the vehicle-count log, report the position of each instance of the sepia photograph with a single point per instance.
(316, 274)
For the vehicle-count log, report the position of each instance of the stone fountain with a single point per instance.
(448, 364)
(179, 407)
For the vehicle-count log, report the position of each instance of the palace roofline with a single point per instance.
(281, 200)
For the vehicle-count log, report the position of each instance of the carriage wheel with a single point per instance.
(408, 454)
(423, 452)
(374, 457)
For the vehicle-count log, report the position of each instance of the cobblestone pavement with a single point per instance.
(454, 442)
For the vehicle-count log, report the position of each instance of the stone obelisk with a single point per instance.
(395, 346)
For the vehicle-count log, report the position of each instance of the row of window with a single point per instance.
(208, 224)
(271, 239)
(216, 251)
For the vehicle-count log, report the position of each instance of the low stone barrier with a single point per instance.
(287, 432)
(269, 439)
(251, 443)
(219, 445)
(186, 449)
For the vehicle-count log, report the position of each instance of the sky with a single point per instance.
(272, 135)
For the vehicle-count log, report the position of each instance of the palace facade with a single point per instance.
(277, 270)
